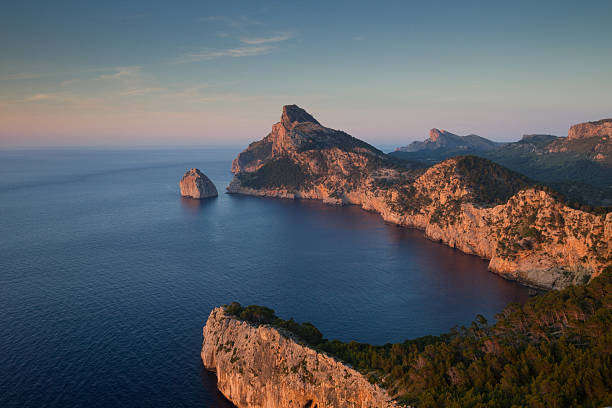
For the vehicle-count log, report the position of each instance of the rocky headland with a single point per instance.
(258, 365)
(196, 184)
(527, 232)
(553, 350)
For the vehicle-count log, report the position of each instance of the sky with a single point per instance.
(130, 73)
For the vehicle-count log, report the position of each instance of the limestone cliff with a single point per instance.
(466, 202)
(592, 139)
(195, 184)
(590, 129)
(262, 366)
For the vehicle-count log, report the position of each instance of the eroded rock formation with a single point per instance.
(466, 202)
(195, 184)
(261, 367)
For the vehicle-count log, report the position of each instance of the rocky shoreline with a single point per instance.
(526, 233)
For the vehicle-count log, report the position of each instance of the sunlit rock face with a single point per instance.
(591, 139)
(262, 367)
(297, 132)
(589, 129)
(467, 202)
(195, 184)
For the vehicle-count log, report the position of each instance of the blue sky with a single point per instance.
(131, 73)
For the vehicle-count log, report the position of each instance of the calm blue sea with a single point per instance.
(107, 275)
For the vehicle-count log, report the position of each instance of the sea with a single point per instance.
(107, 275)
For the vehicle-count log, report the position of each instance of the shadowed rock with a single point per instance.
(195, 184)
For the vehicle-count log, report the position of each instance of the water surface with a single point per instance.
(107, 275)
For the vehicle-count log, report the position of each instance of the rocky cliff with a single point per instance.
(195, 184)
(262, 366)
(466, 202)
(591, 139)
(598, 128)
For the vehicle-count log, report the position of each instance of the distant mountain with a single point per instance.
(593, 140)
(580, 165)
(442, 139)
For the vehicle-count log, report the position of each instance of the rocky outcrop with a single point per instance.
(297, 132)
(598, 128)
(442, 139)
(593, 140)
(466, 202)
(195, 184)
(262, 366)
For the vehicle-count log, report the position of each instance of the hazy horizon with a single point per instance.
(151, 73)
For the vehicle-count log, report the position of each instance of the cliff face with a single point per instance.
(590, 129)
(466, 202)
(262, 367)
(593, 139)
(297, 132)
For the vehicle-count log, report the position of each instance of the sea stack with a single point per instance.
(196, 185)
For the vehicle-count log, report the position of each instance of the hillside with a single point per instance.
(579, 166)
(553, 351)
(467, 202)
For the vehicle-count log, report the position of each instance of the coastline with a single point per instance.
(373, 204)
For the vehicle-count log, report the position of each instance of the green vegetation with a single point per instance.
(553, 351)
(319, 139)
(282, 172)
(263, 315)
(571, 173)
(490, 183)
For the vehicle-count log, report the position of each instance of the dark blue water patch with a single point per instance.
(107, 275)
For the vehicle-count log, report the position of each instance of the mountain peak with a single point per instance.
(435, 133)
(293, 113)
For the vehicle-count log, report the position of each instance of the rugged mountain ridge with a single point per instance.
(593, 140)
(442, 139)
(297, 132)
(580, 165)
(261, 366)
(466, 202)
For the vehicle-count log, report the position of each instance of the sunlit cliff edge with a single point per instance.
(262, 366)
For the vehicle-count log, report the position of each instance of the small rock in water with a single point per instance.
(195, 184)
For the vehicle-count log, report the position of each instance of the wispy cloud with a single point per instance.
(238, 52)
(142, 91)
(264, 40)
(41, 97)
(18, 76)
(70, 81)
(123, 73)
(358, 38)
